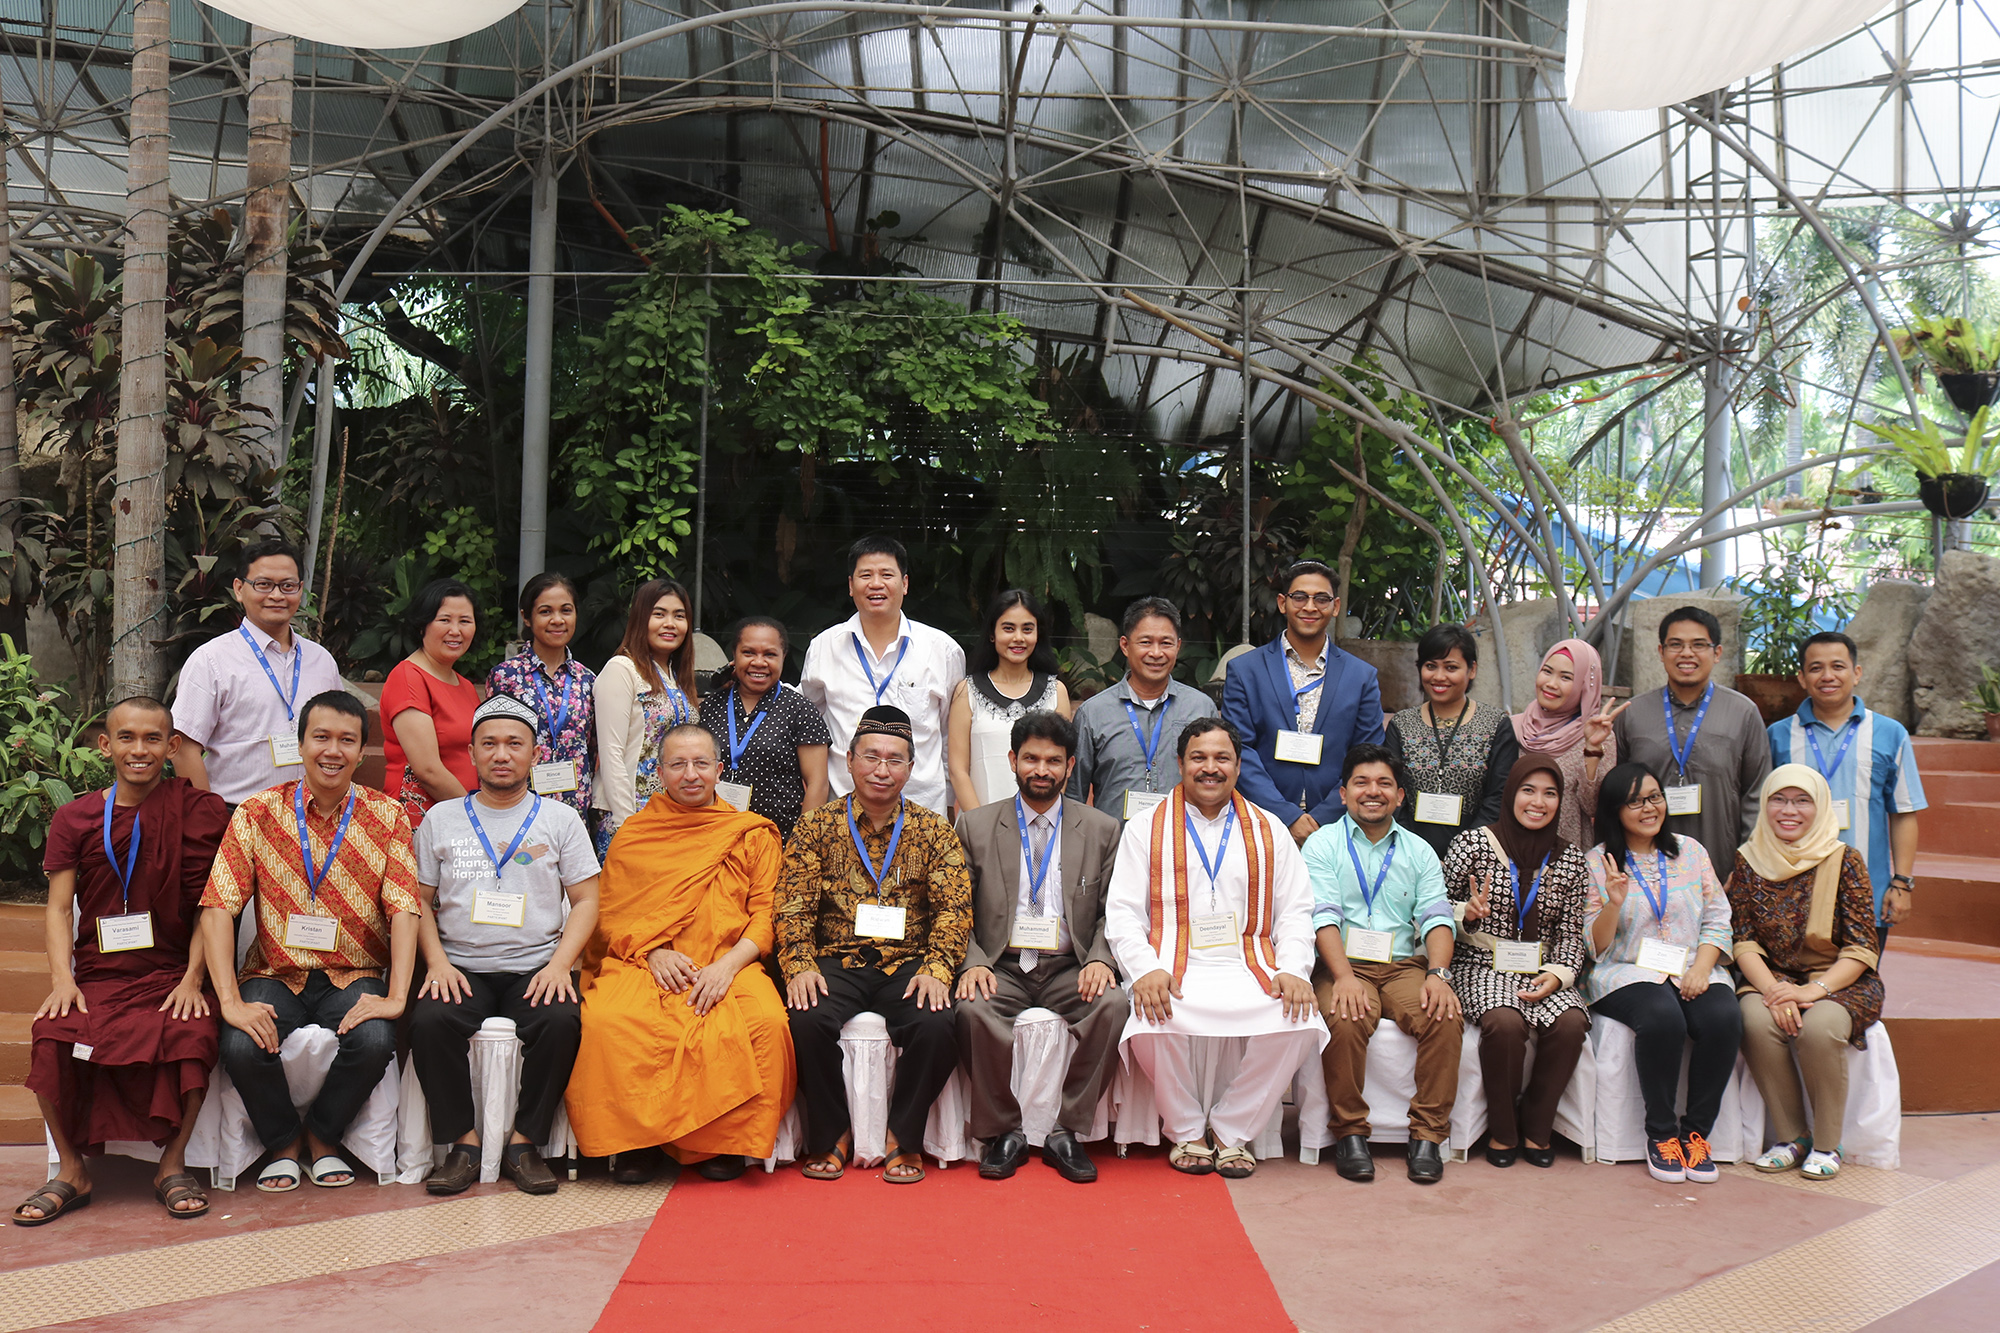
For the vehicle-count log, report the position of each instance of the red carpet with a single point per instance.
(1143, 1248)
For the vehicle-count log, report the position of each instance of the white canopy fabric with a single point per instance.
(1635, 55)
(375, 25)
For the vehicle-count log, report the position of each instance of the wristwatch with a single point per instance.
(1441, 972)
(1903, 882)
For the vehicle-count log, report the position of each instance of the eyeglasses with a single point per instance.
(892, 762)
(1646, 802)
(690, 765)
(265, 587)
(1685, 646)
(1805, 803)
(1319, 599)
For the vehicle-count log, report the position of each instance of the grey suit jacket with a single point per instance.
(993, 853)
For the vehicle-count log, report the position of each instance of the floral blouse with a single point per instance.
(1771, 920)
(1560, 902)
(632, 719)
(568, 694)
(1697, 914)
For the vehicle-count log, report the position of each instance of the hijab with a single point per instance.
(1530, 849)
(1819, 850)
(1544, 732)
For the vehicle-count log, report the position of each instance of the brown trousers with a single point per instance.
(1395, 990)
(1503, 1053)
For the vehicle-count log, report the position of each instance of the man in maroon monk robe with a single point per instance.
(124, 1044)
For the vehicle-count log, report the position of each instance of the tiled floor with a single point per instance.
(1573, 1248)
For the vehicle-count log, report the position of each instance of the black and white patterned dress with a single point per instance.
(1565, 887)
(1467, 758)
(770, 766)
(992, 732)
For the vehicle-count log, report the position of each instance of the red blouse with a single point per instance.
(450, 708)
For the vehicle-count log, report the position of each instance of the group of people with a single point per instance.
(681, 895)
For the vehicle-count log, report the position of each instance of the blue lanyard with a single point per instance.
(1038, 874)
(1523, 906)
(736, 748)
(500, 862)
(131, 853)
(895, 836)
(1152, 748)
(560, 715)
(314, 878)
(1659, 903)
(1303, 690)
(1381, 872)
(1221, 850)
(889, 676)
(298, 660)
(1848, 733)
(1684, 750)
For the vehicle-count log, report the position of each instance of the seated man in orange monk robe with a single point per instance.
(685, 1043)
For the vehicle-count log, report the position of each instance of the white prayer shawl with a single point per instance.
(1220, 995)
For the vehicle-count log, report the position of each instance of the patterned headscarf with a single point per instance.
(1544, 732)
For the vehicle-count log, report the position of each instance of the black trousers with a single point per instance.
(924, 1037)
(1664, 1023)
(365, 1051)
(441, 1033)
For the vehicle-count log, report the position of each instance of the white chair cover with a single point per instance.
(495, 1056)
(1576, 1113)
(224, 1141)
(1874, 1130)
(1621, 1111)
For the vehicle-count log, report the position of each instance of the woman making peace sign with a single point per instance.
(1570, 719)
(1524, 890)
(1659, 927)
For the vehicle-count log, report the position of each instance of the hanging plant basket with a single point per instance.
(1972, 389)
(1953, 494)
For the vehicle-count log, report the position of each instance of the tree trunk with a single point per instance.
(265, 212)
(13, 618)
(139, 508)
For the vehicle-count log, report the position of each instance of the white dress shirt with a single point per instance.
(228, 706)
(1044, 829)
(918, 673)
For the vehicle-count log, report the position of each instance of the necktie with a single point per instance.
(1038, 840)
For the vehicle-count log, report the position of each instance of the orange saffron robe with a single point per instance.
(650, 1071)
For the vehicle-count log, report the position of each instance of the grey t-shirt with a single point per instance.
(554, 854)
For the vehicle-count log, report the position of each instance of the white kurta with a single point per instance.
(1219, 995)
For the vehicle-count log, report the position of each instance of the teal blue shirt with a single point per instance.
(1411, 902)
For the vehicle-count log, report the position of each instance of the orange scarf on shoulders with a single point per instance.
(1260, 954)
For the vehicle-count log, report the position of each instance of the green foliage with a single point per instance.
(1986, 697)
(1951, 346)
(1924, 447)
(1784, 600)
(43, 762)
(462, 546)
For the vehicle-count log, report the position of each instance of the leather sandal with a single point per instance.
(179, 1189)
(1195, 1157)
(828, 1165)
(909, 1164)
(54, 1199)
(1235, 1163)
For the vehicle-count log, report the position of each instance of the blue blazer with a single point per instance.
(1257, 701)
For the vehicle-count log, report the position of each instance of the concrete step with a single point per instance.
(1944, 752)
(1961, 784)
(20, 1117)
(21, 927)
(1941, 1004)
(15, 1045)
(24, 981)
(1960, 828)
(1957, 898)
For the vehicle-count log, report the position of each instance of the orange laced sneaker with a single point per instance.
(1700, 1164)
(1665, 1160)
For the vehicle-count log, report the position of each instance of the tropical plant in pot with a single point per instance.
(1965, 358)
(1986, 698)
(1951, 475)
(1782, 603)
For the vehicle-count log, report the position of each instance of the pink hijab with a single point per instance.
(1544, 732)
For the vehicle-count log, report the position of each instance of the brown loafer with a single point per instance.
(522, 1163)
(459, 1172)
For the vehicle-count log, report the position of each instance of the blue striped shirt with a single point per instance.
(1877, 777)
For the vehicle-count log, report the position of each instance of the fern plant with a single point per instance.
(1924, 447)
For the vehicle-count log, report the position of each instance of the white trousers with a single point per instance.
(1239, 1109)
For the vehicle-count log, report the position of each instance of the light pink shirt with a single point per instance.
(226, 704)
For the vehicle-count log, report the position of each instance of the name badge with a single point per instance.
(285, 750)
(1662, 957)
(1217, 930)
(1036, 932)
(1840, 815)
(1517, 956)
(1436, 807)
(1299, 747)
(1140, 803)
(122, 934)
(1370, 946)
(553, 778)
(495, 907)
(303, 931)
(735, 793)
(878, 921)
(1684, 800)
(82, 1052)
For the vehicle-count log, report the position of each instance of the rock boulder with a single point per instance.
(1642, 646)
(1882, 630)
(1958, 632)
(1532, 628)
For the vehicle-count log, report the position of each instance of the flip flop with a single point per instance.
(330, 1165)
(281, 1168)
(54, 1199)
(180, 1189)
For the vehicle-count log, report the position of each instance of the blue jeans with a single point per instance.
(365, 1051)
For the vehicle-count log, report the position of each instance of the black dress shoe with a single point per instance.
(1502, 1157)
(457, 1173)
(1542, 1157)
(1004, 1155)
(1061, 1151)
(1426, 1162)
(726, 1166)
(1353, 1160)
